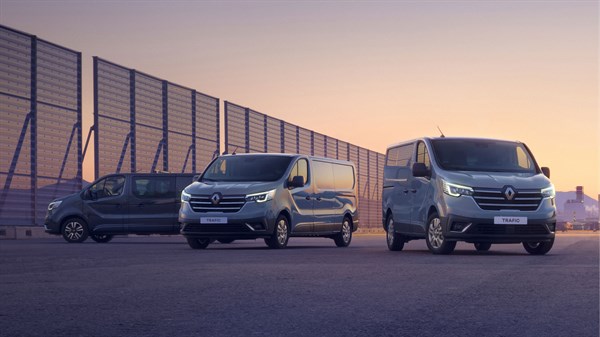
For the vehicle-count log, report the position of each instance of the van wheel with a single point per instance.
(482, 246)
(198, 243)
(101, 238)
(395, 241)
(75, 230)
(344, 237)
(225, 240)
(436, 242)
(538, 248)
(281, 234)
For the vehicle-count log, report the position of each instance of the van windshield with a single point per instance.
(482, 155)
(247, 168)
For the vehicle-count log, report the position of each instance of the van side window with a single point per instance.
(399, 156)
(108, 187)
(343, 176)
(324, 175)
(299, 169)
(423, 155)
(154, 187)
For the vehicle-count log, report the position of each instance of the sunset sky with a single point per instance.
(370, 73)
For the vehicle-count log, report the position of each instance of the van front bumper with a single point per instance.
(252, 222)
(458, 228)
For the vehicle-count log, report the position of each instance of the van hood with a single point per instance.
(68, 197)
(231, 188)
(497, 179)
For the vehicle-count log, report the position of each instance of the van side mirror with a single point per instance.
(546, 171)
(420, 170)
(297, 181)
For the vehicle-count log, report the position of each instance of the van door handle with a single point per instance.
(319, 199)
(413, 190)
(307, 198)
(406, 191)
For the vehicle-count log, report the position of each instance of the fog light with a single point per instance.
(459, 226)
(551, 226)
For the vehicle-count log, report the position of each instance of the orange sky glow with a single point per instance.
(370, 73)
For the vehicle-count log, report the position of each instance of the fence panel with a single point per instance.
(40, 125)
(156, 125)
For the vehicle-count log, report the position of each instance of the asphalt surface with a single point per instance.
(158, 286)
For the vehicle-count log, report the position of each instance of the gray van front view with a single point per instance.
(481, 191)
(270, 196)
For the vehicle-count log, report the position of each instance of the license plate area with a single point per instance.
(213, 220)
(510, 220)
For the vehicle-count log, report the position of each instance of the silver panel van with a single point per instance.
(482, 191)
(273, 197)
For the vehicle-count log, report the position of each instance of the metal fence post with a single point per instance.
(282, 127)
(165, 126)
(33, 129)
(132, 144)
(194, 119)
(247, 129)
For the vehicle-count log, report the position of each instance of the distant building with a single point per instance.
(574, 209)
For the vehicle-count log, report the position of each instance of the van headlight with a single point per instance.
(54, 205)
(261, 197)
(548, 192)
(456, 190)
(185, 197)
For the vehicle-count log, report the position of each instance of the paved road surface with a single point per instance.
(158, 286)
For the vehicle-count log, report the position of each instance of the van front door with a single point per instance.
(423, 192)
(302, 197)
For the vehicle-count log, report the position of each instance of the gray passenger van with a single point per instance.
(125, 203)
(482, 191)
(273, 197)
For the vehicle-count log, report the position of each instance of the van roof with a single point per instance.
(455, 138)
(294, 155)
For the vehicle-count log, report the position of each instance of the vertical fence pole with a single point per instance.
(247, 129)
(194, 131)
(282, 127)
(33, 129)
(133, 138)
(95, 126)
(165, 126)
(266, 134)
(79, 125)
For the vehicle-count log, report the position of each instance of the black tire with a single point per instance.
(344, 237)
(198, 243)
(101, 238)
(538, 248)
(482, 246)
(75, 230)
(225, 240)
(434, 236)
(281, 234)
(395, 241)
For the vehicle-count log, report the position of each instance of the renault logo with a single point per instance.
(216, 198)
(509, 193)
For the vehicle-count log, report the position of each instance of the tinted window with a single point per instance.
(299, 169)
(247, 168)
(154, 187)
(343, 176)
(323, 173)
(482, 155)
(423, 155)
(108, 187)
(399, 156)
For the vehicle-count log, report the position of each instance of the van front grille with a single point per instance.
(490, 199)
(227, 203)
